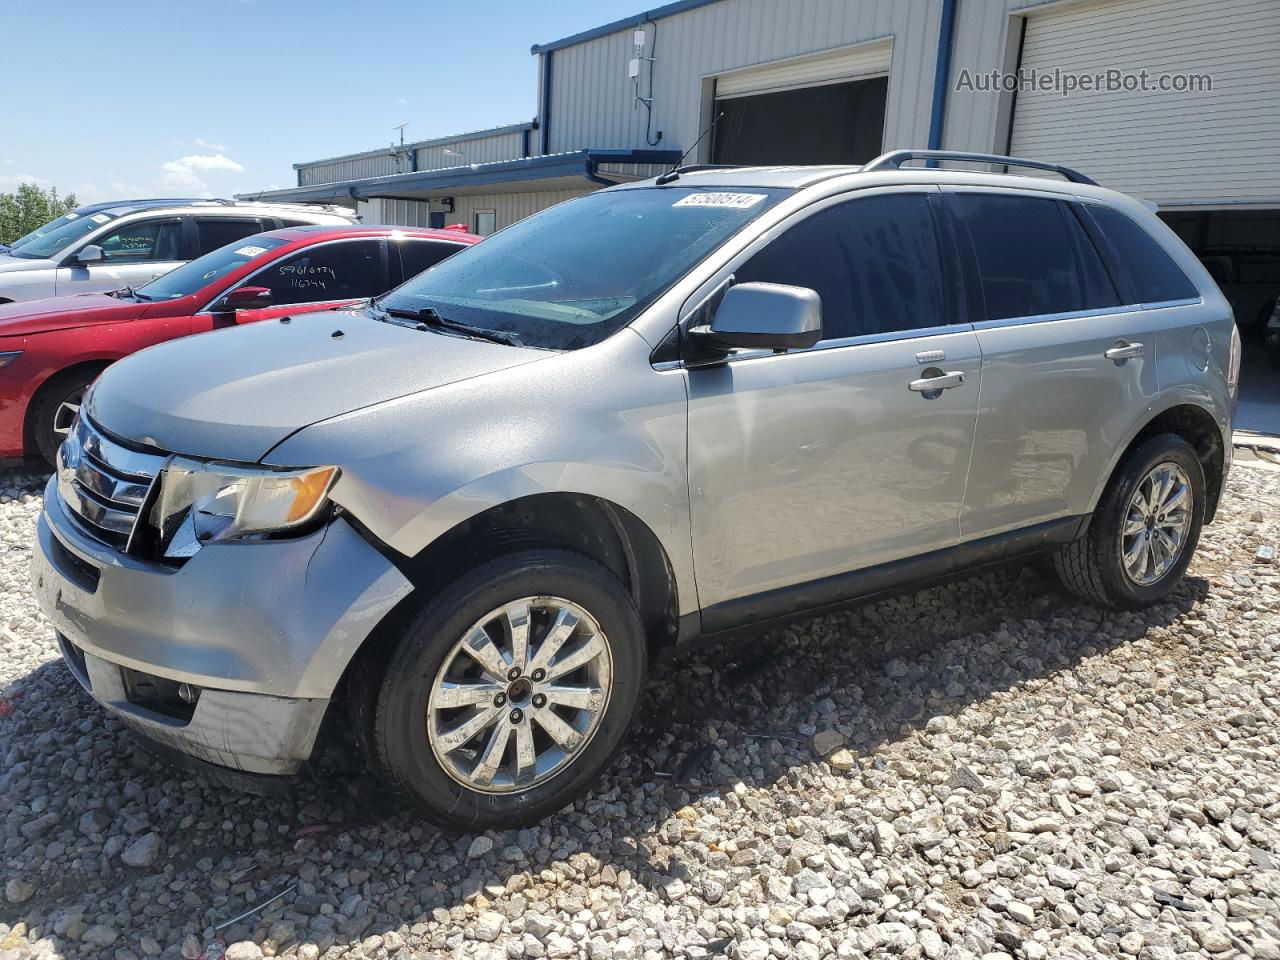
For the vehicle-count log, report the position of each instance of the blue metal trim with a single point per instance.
(942, 74)
(544, 108)
(670, 9)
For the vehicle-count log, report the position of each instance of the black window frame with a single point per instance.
(384, 267)
(954, 311)
(264, 224)
(1078, 233)
(1118, 265)
(395, 270)
(184, 242)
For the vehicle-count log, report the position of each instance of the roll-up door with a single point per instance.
(1191, 146)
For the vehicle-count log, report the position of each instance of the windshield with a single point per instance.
(47, 228)
(576, 273)
(55, 239)
(200, 272)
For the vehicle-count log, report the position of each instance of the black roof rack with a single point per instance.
(896, 158)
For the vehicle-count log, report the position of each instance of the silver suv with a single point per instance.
(107, 246)
(466, 517)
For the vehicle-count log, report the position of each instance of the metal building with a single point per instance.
(815, 81)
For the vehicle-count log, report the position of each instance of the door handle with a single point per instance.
(1124, 351)
(937, 383)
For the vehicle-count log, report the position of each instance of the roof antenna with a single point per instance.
(674, 172)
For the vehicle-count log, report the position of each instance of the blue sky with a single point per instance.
(215, 97)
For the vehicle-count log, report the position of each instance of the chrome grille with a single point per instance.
(104, 485)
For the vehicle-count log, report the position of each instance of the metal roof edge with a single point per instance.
(657, 13)
(434, 141)
(574, 163)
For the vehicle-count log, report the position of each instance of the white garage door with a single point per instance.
(832, 66)
(1213, 147)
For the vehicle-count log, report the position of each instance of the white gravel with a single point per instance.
(1007, 773)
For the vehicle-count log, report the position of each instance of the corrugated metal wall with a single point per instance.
(504, 146)
(592, 99)
(509, 207)
(401, 213)
(461, 152)
(350, 168)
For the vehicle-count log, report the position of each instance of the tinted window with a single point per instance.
(1152, 272)
(202, 271)
(59, 238)
(874, 262)
(411, 257)
(349, 270)
(575, 273)
(1031, 256)
(213, 233)
(144, 241)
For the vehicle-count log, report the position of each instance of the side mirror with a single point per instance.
(763, 316)
(90, 254)
(245, 298)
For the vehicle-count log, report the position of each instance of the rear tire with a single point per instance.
(1111, 565)
(512, 771)
(54, 409)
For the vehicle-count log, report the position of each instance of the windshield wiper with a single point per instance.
(429, 317)
(128, 291)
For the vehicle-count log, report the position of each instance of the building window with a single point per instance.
(484, 222)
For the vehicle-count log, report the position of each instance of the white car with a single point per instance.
(106, 247)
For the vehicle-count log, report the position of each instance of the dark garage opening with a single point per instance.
(1241, 251)
(835, 123)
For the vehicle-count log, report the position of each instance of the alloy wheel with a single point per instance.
(519, 695)
(1156, 524)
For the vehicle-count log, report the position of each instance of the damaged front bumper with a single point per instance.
(231, 658)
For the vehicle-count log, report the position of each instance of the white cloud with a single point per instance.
(402, 100)
(181, 173)
(205, 144)
(8, 183)
(204, 161)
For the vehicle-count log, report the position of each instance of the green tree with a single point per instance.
(29, 207)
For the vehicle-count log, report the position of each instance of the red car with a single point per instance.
(51, 350)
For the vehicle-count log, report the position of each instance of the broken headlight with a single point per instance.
(202, 503)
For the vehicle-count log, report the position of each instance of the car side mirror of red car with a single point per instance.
(246, 298)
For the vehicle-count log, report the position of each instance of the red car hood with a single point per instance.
(61, 313)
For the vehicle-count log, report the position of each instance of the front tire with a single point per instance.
(508, 693)
(1145, 530)
(55, 408)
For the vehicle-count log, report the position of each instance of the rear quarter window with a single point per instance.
(1153, 275)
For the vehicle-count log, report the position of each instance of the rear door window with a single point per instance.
(345, 270)
(1033, 258)
(875, 263)
(410, 257)
(215, 232)
(1153, 275)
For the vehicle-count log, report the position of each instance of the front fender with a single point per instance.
(597, 422)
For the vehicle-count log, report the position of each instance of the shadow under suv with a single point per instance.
(470, 514)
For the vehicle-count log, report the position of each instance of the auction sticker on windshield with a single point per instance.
(250, 251)
(736, 201)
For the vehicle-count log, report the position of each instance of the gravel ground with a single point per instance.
(985, 769)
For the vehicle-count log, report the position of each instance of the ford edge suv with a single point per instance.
(467, 516)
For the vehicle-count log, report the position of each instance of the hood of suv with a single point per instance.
(61, 313)
(9, 264)
(234, 394)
